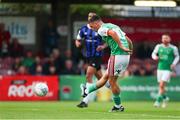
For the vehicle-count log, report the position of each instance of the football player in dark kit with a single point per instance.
(92, 51)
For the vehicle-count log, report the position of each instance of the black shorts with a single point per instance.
(94, 62)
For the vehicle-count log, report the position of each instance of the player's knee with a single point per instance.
(161, 85)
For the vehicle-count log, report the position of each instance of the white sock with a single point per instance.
(117, 106)
(89, 96)
(87, 85)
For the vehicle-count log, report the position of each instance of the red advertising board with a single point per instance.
(139, 29)
(20, 88)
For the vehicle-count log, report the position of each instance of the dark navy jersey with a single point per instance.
(90, 40)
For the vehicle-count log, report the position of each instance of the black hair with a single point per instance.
(94, 18)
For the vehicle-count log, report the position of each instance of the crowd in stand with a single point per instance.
(38, 65)
(16, 60)
(58, 63)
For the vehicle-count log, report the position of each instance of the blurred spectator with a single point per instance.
(47, 64)
(28, 61)
(55, 60)
(69, 69)
(17, 63)
(58, 60)
(7, 62)
(50, 38)
(39, 70)
(37, 62)
(22, 70)
(6, 66)
(68, 56)
(148, 69)
(4, 40)
(142, 72)
(134, 69)
(15, 48)
(52, 70)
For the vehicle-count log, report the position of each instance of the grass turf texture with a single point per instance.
(96, 110)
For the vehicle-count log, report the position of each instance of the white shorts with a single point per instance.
(163, 75)
(117, 64)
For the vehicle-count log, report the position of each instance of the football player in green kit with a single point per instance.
(167, 56)
(121, 48)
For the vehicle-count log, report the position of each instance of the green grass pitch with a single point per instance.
(96, 110)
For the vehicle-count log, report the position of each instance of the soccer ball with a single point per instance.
(41, 89)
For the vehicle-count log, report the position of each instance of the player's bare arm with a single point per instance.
(116, 38)
(78, 43)
(101, 47)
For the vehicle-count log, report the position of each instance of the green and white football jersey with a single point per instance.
(115, 50)
(167, 55)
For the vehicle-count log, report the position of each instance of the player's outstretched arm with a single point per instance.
(116, 38)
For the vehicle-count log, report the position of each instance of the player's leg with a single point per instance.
(89, 75)
(101, 79)
(119, 65)
(163, 78)
(98, 72)
(94, 86)
(159, 98)
(115, 67)
(166, 77)
(116, 94)
(162, 92)
(98, 75)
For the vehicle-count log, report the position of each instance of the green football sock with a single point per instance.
(159, 98)
(91, 88)
(117, 99)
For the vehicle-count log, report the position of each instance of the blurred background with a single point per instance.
(37, 44)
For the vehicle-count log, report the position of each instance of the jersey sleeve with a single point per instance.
(80, 35)
(103, 31)
(155, 51)
(176, 54)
